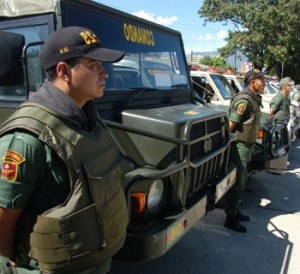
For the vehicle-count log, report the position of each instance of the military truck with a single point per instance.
(272, 144)
(176, 151)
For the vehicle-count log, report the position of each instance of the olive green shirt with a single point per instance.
(281, 102)
(31, 174)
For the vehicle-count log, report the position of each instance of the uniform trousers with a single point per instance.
(240, 155)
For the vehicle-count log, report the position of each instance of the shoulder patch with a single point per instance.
(10, 163)
(241, 108)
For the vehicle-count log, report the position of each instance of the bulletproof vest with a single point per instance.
(90, 226)
(246, 131)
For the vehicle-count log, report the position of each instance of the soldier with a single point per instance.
(244, 115)
(62, 205)
(281, 102)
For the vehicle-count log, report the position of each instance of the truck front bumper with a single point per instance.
(151, 243)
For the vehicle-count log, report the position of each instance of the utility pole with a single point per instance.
(235, 60)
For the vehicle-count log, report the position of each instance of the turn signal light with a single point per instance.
(260, 134)
(138, 202)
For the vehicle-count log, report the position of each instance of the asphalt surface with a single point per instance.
(270, 246)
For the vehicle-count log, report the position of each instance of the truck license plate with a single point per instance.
(223, 186)
(174, 232)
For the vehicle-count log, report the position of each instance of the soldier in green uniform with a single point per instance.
(62, 205)
(281, 101)
(244, 115)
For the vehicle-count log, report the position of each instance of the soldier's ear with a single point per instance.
(62, 71)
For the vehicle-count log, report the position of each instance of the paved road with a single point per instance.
(271, 245)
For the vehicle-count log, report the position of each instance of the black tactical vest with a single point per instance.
(90, 226)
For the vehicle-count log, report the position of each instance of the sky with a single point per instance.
(181, 16)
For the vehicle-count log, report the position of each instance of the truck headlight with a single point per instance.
(155, 195)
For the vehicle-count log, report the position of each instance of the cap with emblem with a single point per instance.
(287, 81)
(252, 74)
(72, 42)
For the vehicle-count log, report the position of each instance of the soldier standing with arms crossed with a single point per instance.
(62, 205)
(244, 115)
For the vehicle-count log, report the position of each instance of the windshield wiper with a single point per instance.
(138, 94)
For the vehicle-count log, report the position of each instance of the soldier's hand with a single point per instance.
(269, 121)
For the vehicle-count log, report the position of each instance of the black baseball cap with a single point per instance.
(252, 74)
(75, 41)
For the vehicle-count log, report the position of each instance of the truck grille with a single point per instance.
(207, 137)
(199, 176)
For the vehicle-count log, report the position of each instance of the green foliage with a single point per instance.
(214, 61)
(265, 31)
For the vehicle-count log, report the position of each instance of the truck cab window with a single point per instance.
(16, 90)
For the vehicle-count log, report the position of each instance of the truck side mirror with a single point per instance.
(11, 68)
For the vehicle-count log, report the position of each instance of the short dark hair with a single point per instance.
(51, 72)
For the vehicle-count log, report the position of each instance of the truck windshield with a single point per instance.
(223, 86)
(151, 70)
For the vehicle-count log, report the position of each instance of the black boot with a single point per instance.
(233, 223)
(243, 218)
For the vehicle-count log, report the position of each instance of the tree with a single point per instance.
(265, 31)
(214, 61)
